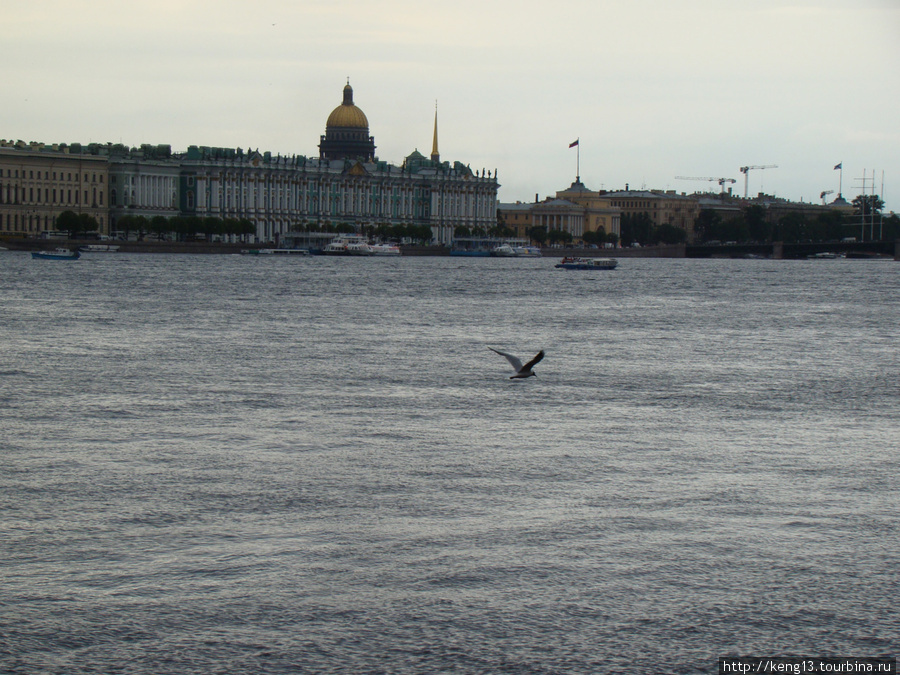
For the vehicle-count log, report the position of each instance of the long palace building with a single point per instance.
(346, 184)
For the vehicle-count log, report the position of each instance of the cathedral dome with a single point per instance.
(347, 115)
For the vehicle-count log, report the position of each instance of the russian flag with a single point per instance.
(838, 166)
(573, 144)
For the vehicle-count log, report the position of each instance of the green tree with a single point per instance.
(594, 236)
(142, 225)
(76, 224)
(637, 228)
(125, 225)
(866, 204)
(159, 225)
(827, 226)
(246, 228)
(538, 234)
(707, 225)
(670, 234)
(792, 227)
(758, 228)
(68, 221)
(559, 237)
(211, 226)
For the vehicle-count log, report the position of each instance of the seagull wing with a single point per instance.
(516, 364)
(534, 361)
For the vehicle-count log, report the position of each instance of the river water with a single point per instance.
(235, 464)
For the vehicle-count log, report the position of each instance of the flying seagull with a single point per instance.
(521, 371)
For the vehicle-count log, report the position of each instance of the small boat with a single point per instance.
(56, 254)
(569, 263)
(824, 255)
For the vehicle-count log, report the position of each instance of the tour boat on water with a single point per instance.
(98, 248)
(274, 251)
(384, 249)
(515, 251)
(56, 254)
(569, 263)
(357, 245)
(347, 245)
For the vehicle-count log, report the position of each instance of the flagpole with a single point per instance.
(577, 145)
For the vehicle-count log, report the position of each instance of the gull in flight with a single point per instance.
(521, 371)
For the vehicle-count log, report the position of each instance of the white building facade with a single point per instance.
(345, 185)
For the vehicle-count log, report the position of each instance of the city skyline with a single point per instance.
(651, 90)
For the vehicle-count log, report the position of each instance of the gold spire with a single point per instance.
(435, 155)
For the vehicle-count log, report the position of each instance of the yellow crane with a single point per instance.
(747, 169)
(720, 181)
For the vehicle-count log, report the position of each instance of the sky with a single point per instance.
(653, 90)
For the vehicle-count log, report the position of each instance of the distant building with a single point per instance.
(664, 207)
(142, 182)
(346, 185)
(347, 133)
(39, 182)
(575, 210)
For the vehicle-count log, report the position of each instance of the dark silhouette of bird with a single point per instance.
(521, 371)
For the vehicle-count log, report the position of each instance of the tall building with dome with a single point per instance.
(346, 185)
(347, 132)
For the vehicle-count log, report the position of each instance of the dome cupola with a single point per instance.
(347, 132)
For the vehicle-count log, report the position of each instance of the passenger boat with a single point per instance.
(384, 249)
(56, 254)
(98, 248)
(348, 245)
(569, 263)
(274, 251)
(515, 251)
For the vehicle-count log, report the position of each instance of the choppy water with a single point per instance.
(231, 464)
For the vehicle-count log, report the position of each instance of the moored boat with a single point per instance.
(384, 249)
(98, 248)
(274, 251)
(56, 254)
(569, 263)
(348, 245)
(508, 250)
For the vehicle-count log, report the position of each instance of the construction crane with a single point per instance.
(825, 194)
(746, 171)
(720, 181)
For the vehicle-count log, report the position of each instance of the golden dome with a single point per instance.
(347, 114)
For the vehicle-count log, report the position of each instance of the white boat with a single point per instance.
(384, 249)
(274, 251)
(507, 250)
(568, 263)
(98, 248)
(348, 245)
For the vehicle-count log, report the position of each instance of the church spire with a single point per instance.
(435, 155)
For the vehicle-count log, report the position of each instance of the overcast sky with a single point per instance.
(653, 89)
